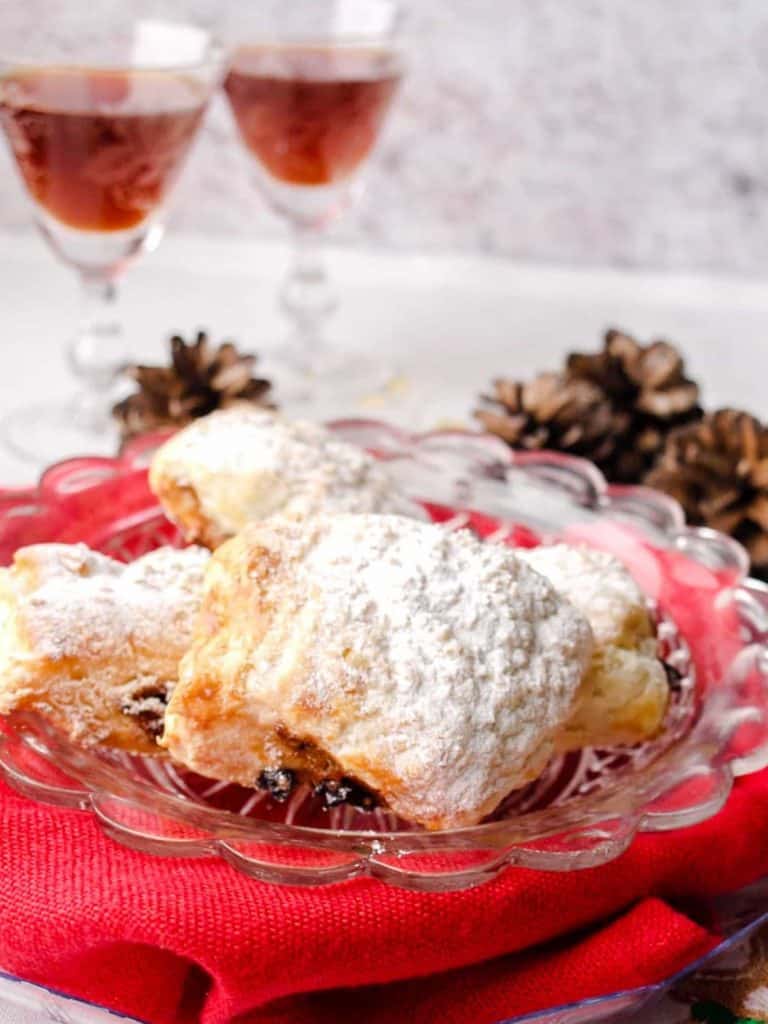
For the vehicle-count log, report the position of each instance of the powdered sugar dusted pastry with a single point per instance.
(625, 692)
(430, 667)
(94, 645)
(243, 464)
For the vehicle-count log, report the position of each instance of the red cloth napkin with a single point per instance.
(174, 941)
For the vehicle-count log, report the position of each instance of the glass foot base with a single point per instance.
(331, 382)
(50, 432)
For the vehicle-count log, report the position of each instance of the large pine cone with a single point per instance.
(614, 407)
(718, 470)
(645, 383)
(551, 412)
(202, 377)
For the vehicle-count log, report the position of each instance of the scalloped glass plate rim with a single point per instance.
(628, 805)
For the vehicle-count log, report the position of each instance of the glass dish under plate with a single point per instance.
(586, 807)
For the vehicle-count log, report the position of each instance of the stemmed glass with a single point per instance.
(99, 126)
(310, 84)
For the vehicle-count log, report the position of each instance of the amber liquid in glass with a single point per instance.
(311, 115)
(99, 150)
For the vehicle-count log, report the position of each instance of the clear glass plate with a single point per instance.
(586, 807)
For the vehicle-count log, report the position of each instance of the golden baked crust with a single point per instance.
(623, 699)
(183, 507)
(93, 645)
(625, 692)
(429, 666)
(243, 464)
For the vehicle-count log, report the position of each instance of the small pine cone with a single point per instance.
(718, 470)
(735, 989)
(552, 412)
(645, 383)
(201, 378)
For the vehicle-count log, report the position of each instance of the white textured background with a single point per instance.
(627, 132)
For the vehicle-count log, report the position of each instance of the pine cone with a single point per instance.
(202, 377)
(552, 412)
(734, 988)
(718, 470)
(645, 383)
(614, 407)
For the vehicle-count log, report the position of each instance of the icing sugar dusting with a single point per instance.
(74, 602)
(449, 662)
(248, 463)
(600, 586)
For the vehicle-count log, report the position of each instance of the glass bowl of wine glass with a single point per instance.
(310, 85)
(99, 121)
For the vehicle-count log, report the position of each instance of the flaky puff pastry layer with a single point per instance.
(429, 666)
(625, 692)
(242, 465)
(93, 645)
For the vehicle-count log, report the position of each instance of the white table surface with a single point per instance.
(450, 321)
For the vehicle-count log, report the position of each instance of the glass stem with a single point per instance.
(306, 295)
(97, 352)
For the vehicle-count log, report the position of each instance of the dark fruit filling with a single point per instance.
(345, 791)
(147, 706)
(278, 782)
(674, 677)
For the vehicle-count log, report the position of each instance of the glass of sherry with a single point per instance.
(310, 84)
(99, 124)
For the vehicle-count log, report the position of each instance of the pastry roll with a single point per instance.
(94, 645)
(625, 692)
(431, 668)
(244, 464)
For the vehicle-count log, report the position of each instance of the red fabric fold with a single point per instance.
(172, 941)
(663, 942)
